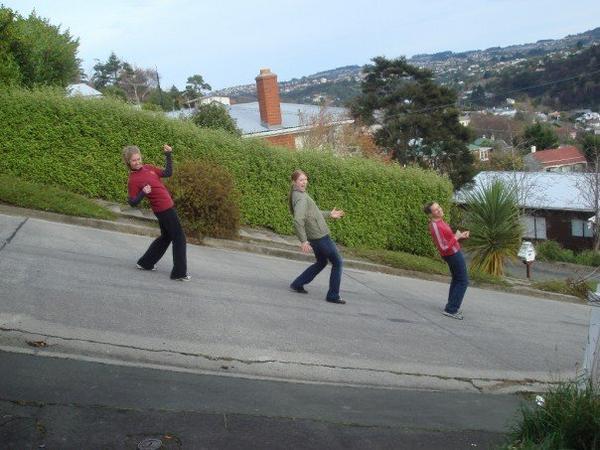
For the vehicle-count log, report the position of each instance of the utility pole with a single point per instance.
(159, 89)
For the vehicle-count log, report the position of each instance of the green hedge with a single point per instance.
(76, 143)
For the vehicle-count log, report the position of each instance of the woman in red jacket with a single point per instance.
(145, 181)
(447, 244)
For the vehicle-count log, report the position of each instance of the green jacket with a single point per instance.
(309, 221)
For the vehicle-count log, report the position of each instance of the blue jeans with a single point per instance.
(459, 283)
(324, 250)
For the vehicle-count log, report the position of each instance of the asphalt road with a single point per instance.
(236, 329)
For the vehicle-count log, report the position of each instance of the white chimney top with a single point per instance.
(533, 149)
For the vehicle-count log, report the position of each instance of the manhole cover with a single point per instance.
(150, 444)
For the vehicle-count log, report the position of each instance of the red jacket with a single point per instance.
(443, 237)
(160, 199)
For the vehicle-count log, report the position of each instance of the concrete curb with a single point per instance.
(146, 226)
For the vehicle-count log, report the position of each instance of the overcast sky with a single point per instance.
(228, 41)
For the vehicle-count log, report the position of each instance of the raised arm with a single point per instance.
(168, 170)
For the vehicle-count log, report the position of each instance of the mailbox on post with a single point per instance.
(527, 255)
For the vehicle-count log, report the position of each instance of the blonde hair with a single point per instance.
(295, 175)
(128, 152)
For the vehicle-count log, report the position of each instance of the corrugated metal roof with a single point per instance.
(247, 115)
(537, 190)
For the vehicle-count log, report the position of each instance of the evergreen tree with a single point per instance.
(416, 119)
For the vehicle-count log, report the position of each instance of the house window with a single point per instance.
(484, 154)
(534, 227)
(580, 228)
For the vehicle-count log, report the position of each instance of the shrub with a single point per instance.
(493, 220)
(553, 251)
(206, 200)
(76, 143)
(569, 419)
(588, 258)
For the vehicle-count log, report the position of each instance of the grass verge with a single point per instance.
(577, 288)
(26, 194)
(568, 419)
(408, 261)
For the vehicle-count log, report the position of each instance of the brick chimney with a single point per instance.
(268, 98)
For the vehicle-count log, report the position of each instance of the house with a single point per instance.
(553, 204)
(283, 124)
(82, 90)
(480, 152)
(566, 158)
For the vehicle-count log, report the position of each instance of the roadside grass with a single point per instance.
(568, 419)
(408, 261)
(26, 194)
(577, 288)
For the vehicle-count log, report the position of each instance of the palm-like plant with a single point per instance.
(495, 231)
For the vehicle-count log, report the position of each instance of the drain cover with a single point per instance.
(150, 444)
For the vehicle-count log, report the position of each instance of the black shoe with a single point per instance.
(300, 290)
(339, 301)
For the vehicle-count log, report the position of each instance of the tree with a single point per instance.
(107, 74)
(195, 87)
(589, 186)
(415, 119)
(215, 115)
(33, 52)
(495, 231)
(542, 136)
(138, 83)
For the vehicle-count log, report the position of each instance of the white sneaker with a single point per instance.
(143, 268)
(457, 315)
(186, 278)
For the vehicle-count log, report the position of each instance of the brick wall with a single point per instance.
(283, 140)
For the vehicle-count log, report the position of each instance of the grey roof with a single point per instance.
(537, 190)
(83, 90)
(247, 116)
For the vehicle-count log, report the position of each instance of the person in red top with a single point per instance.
(145, 181)
(447, 244)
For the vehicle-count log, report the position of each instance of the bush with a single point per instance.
(206, 200)
(569, 419)
(76, 143)
(553, 251)
(588, 258)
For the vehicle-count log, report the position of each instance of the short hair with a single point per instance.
(427, 207)
(128, 152)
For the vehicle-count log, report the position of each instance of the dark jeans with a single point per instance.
(459, 283)
(170, 231)
(324, 250)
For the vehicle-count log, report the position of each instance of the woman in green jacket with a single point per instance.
(313, 233)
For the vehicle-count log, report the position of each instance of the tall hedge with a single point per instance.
(76, 143)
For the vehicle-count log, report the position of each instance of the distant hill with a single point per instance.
(462, 71)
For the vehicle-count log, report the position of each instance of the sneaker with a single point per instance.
(186, 278)
(339, 301)
(300, 290)
(457, 315)
(143, 268)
